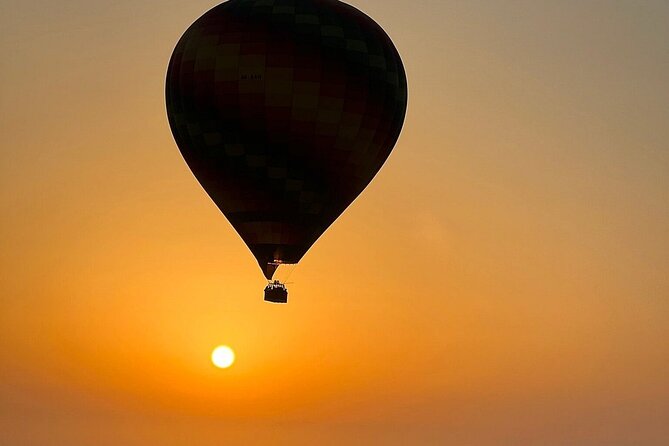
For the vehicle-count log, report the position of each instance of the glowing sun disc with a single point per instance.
(223, 357)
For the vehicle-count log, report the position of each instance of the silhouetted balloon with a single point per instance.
(285, 110)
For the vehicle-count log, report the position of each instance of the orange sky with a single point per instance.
(503, 280)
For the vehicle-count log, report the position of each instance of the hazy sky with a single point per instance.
(503, 281)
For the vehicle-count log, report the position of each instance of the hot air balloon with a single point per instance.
(284, 110)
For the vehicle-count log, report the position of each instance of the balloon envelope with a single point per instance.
(285, 110)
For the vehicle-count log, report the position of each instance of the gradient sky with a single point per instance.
(503, 281)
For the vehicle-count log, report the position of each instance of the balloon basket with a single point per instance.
(276, 293)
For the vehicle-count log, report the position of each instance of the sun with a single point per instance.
(223, 357)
